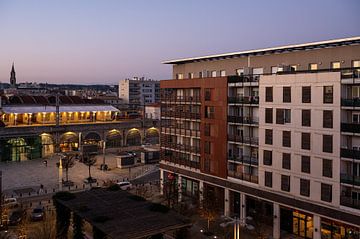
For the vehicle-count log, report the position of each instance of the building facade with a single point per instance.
(139, 91)
(271, 131)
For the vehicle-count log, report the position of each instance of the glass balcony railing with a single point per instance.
(243, 99)
(350, 179)
(243, 78)
(350, 153)
(349, 202)
(243, 176)
(244, 159)
(243, 120)
(350, 127)
(351, 102)
(243, 139)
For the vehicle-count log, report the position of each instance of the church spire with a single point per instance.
(12, 76)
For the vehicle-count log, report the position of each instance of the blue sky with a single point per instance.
(88, 41)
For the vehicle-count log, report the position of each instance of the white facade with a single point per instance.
(139, 91)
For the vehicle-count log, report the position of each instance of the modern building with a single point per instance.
(139, 91)
(272, 132)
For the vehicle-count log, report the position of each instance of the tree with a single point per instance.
(171, 191)
(89, 160)
(67, 161)
(46, 229)
(210, 206)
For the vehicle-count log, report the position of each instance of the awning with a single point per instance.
(18, 109)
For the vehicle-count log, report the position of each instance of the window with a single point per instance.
(179, 76)
(283, 116)
(213, 73)
(207, 164)
(327, 168)
(328, 95)
(207, 129)
(328, 119)
(293, 67)
(239, 72)
(268, 94)
(268, 179)
(268, 136)
(267, 157)
(269, 115)
(274, 69)
(356, 118)
(286, 139)
(326, 192)
(287, 94)
(306, 118)
(200, 74)
(207, 147)
(313, 66)
(285, 183)
(327, 143)
(191, 75)
(305, 187)
(306, 94)
(305, 164)
(207, 94)
(222, 73)
(305, 141)
(209, 112)
(286, 161)
(335, 65)
(355, 63)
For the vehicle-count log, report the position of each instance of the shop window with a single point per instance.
(313, 66)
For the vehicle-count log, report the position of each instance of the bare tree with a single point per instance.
(89, 160)
(68, 161)
(210, 207)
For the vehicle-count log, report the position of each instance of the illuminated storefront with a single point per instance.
(296, 222)
(337, 230)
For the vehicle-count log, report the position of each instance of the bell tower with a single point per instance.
(12, 76)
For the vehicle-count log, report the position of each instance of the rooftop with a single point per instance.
(272, 50)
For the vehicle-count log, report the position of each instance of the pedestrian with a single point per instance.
(41, 190)
(45, 163)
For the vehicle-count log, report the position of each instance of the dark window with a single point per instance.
(269, 115)
(306, 94)
(268, 94)
(268, 179)
(305, 141)
(209, 112)
(280, 116)
(327, 168)
(286, 139)
(286, 94)
(285, 183)
(207, 128)
(326, 192)
(306, 118)
(286, 161)
(328, 95)
(207, 94)
(207, 164)
(327, 143)
(200, 74)
(267, 157)
(305, 164)
(268, 136)
(305, 187)
(207, 147)
(328, 119)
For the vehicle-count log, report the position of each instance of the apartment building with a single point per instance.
(272, 132)
(139, 91)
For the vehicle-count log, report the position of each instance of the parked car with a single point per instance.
(90, 180)
(124, 185)
(17, 216)
(38, 213)
(11, 203)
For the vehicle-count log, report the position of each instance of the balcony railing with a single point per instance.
(180, 99)
(180, 114)
(244, 159)
(183, 147)
(350, 179)
(243, 139)
(350, 73)
(243, 78)
(244, 99)
(181, 161)
(349, 202)
(351, 102)
(243, 176)
(350, 153)
(350, 127)
(242, 120)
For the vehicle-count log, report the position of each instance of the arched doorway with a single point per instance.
(152, 135)
(47, 143)
(20, 149)
(69, 141)
(114, 139)
(133, 137)
(91, 143)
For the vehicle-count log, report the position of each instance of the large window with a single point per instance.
(268, 94)
(269, 115)
(213, 73)
(268, 136)
(283, 116)
(305, 141)
(335, 65)
(287, 94)
(313, 66)
(326, 192)
(328, 95)
(286, 139)
(305, 187)
(268, 179)
(306, 94)
(285, 183)
(306, 118)
(328, 119)
(327, 143)
(222, 73)
(267, 157)
(286, 161)
(327, 168)
(305, 164)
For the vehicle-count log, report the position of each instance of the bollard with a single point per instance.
(53, 190)
(75, 186)
(83, 186)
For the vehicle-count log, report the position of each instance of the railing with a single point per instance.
(183, 147)
(243, 78)
(349, 202)
(180, 114)
(350, 179)
(350, 127)
(350, 153)
(187, 132)
(351, 102)
(181, 161)
(244, 139)
(179, 99)
(244, 159)
(242, 120)
(244, 99)
(350, 73)
(243, 176)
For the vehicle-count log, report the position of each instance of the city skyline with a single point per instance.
(97, 43)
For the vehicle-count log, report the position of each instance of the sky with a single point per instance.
(103, 41)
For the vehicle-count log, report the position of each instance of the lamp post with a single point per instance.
(60, 174)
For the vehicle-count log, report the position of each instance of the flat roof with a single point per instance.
(272, 50)
(21, 109)
(126, 217)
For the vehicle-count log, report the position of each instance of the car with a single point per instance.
(10, 203)
(38, 213)
(124, 185)
(90, 180)
(16, 217)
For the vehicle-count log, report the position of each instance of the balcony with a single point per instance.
(243, 176)
(350, 102)
(182, 147)
(243, 120)
(182, 161)
(350, 74)
(182, 99)
(180, 114)
(350, 179)
(349, 202)
(243, 100)
(350, 153)
(350, 127)
(243, 139)
(244, 159)
(243, 78)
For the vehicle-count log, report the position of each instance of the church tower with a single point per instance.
(12, 76)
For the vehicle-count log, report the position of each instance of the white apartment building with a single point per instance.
(139, 91)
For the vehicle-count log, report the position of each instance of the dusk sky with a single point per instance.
(87, 41)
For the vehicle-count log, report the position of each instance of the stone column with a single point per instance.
(242, 209)
(161, 181)
(179, 188)
(317, 227)
(276, 221)
(227, 202)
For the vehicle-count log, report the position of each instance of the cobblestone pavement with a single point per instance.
(27, 176)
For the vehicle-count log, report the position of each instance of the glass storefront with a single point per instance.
(297, 223)
(337, 230)
(189, 187)
(20, 149)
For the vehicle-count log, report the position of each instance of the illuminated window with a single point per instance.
(335, 65)
(313, 66)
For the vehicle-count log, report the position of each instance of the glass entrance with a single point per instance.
(302, 225)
